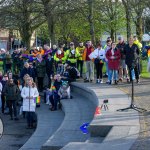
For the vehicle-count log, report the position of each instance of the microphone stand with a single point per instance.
(132, 105)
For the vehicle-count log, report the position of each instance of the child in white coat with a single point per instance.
(29, 93)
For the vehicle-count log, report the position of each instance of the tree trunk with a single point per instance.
(91, 22)
(112, 33)
(26, 38)
(128, 18)
(139, 28)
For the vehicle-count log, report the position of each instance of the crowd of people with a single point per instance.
(23, 69)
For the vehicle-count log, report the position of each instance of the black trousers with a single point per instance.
(99, 72)
(49, 80)
(80, 65)
(136, 70)
(12, 108)
(3, 102)
(73, 64)
(30, 118)
(40, 83)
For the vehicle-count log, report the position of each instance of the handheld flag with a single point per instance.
(83, 128)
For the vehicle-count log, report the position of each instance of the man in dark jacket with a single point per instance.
(122, 67)
(27, 70)
(132, 52)
(71, 73)
(49, 68)
(11, 92)
(4, 81)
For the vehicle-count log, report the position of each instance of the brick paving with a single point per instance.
(142, 99)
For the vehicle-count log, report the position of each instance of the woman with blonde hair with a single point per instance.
(29, 93)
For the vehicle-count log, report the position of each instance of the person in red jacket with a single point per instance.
(113, 55)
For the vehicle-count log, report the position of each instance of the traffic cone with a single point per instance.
(97, 111)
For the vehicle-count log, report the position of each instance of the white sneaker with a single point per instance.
(101, 80)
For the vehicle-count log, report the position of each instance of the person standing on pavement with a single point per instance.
(27, 70)
(72, 55)
(11, 92)
(49, 68)
(139, 44)
(123, 71)
(80, 62)
(113, 56)
(109, 42)
(29, 93)
(132, 54)
(40, 70)
(88, 62)
(99, 56)
(4, 81)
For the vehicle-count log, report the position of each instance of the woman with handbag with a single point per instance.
(99, 56)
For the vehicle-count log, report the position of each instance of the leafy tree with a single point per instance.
(23, 15)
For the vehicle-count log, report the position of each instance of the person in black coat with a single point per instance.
(4, 81)
(11, 92)
(132, 53)
(27, 70)
(49, 68)
(71, 73)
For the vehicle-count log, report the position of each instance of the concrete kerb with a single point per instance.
(85, 92)
(74, 117)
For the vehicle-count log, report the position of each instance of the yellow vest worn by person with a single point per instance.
(80, 50)
(72, 55)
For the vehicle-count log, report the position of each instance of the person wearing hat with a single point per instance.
(122, 67)
(80, 62)
(72, 55)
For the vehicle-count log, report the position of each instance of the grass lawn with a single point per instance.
(144, 73)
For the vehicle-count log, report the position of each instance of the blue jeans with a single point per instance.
(111, 74)
(54, 99)
(107, 70)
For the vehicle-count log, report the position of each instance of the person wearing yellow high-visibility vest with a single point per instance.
(60, 56)
(80, 62)
(72, 55)
(139, 45)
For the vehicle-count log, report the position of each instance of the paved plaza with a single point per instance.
(15, 135)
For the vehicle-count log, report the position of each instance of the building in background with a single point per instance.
(10, 39)
(4, 39)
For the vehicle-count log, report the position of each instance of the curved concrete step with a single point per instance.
(78, 110)
(48, 123)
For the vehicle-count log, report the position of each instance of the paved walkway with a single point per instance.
(16, 136)
(15, 133)
(1, 128)
(142, 99)
(118, 128)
